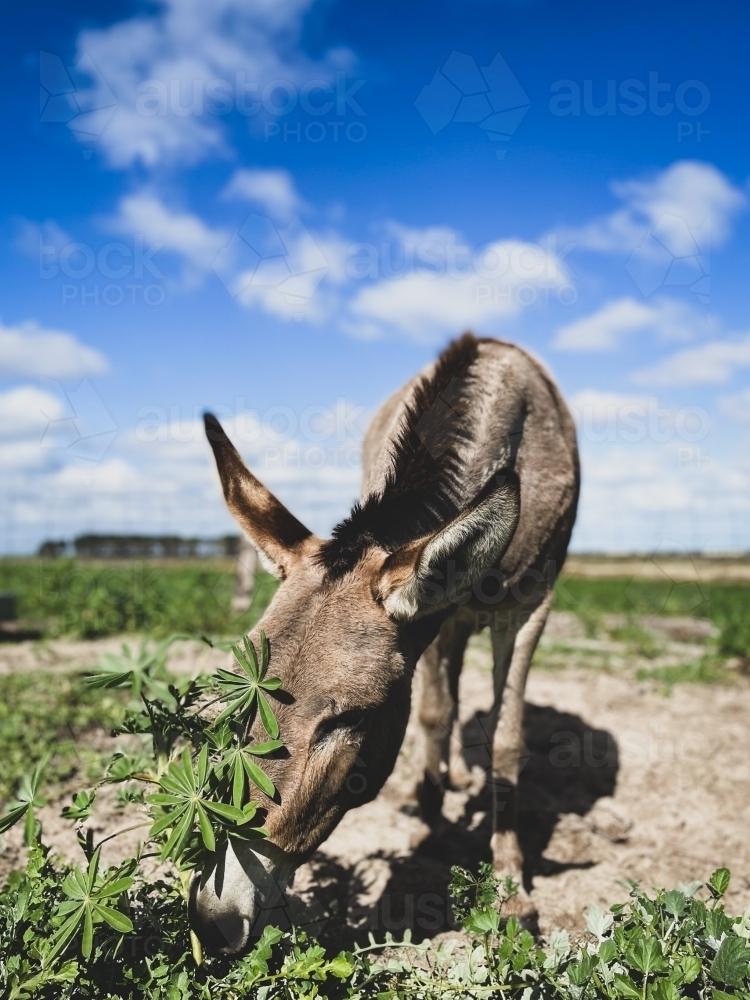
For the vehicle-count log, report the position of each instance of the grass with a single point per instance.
(727, 605)
(92, 599)
(49, 712)
(704, 670)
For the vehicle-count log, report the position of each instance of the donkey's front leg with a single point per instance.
(440, 668)
(512, 661)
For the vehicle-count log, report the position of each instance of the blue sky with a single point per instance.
(282, 210)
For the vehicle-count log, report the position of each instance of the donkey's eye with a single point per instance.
(349, 720)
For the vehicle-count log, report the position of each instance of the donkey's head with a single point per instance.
(345, 631)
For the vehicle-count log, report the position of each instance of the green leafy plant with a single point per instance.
(27, 799)
(242, 692)
(186, 800)
(90, 901)
(144, 671)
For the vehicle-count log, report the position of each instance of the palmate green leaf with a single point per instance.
(258, 777)
(267, 717)
(13, 815)
(83, 803)
(206, 830)
(717, 923)
(116, 920)
(607, 951)
(237, 762)
(482, 921)
(665, 990)
(342, 966)
(89, 896)
(690, 967)
(241, 692)
(144, 672)
(580, 972)
(229, 813)
(188, 803)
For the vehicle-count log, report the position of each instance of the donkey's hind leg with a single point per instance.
(440, 668)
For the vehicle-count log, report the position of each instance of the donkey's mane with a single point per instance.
(422, 487)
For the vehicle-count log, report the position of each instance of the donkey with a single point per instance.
(471, 480)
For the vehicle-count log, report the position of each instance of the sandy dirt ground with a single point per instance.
(620, 780)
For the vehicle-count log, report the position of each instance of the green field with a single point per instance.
(96, 599)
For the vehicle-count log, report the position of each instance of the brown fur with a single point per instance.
(470, 488)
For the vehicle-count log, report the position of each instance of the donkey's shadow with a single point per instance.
(567, 766)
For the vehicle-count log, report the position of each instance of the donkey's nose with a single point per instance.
(223, 905)
(220, 929)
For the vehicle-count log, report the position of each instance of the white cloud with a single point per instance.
(163, 70)
(274, 190)
(28, 349)
(284, 282)
(160, 476)
(444, 286)
(605, 329)
(680, 493)
(687, 194)
(37, 241)
(709, 364)
(737, 406)
(25, 411)
(177, 232)
(601, 405)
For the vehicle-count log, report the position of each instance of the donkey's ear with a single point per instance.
(276, 534)
(429, 574)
